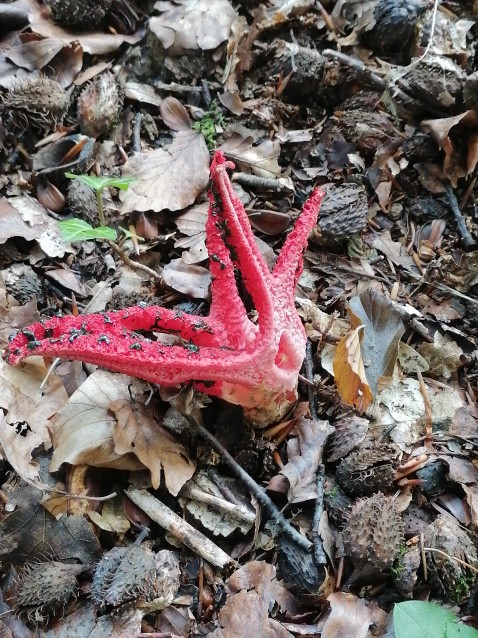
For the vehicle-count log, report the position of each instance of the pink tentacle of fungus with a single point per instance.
(252, 364)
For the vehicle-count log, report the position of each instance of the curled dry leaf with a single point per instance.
(136, 431)
(452, 134)
(192, 223)
(260, 159)
(305, 455)
(349, 371)
(189, 279)
(349, 617)
(83, 428)
(382, 334)
(174, 114)
(23, 217)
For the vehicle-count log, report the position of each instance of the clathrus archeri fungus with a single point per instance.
(254, 364)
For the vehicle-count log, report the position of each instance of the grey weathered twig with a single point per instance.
(469, 242)
(279, 519)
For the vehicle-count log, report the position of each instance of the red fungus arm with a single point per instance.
(224, 354)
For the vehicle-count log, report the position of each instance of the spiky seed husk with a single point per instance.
(367, 470)
(79, 13)
(450, 579)
(40, 100)
(82, 201)
(344, 213)
(99, 105)
(373, 534)
(127, 574)
(44, 588)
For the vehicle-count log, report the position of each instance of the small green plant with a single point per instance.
(79, 230)
(208, 124)
(398, 566)
(418, 619)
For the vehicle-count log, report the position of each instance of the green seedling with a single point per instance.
(208, 124)
(77, 229)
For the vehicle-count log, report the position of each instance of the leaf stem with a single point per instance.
(99, 200)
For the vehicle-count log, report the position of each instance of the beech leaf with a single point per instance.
(383, 329)
(168, 177)
(137, 432)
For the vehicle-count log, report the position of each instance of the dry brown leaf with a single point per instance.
(83, 429)
(67, 279)
(192, 223)
(112, 517)
(349, 371)
(174, 114)
(393, 250)
(96, 43)
(443, 355)
(35, 55)
(141, 92)
(189, 279)
(261, 159)
(137, 432)
(305, 454)
(188, 25)
(22, 216)
(452, 134)
(13, 316)
(25, 413)
(349, 617)
(29, 531)
(169, 178)
(246, 612)
(318, 323)
(12, 224)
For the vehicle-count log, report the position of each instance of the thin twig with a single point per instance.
(133, 264)
(261, 495)
(430, 41)
(358, 66)
(469, 242)
(137, 133)
(108, 497)
(428, 410)
(309, 371)
(457, 560)
(319, 554)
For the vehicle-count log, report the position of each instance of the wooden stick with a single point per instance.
(175, 525)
